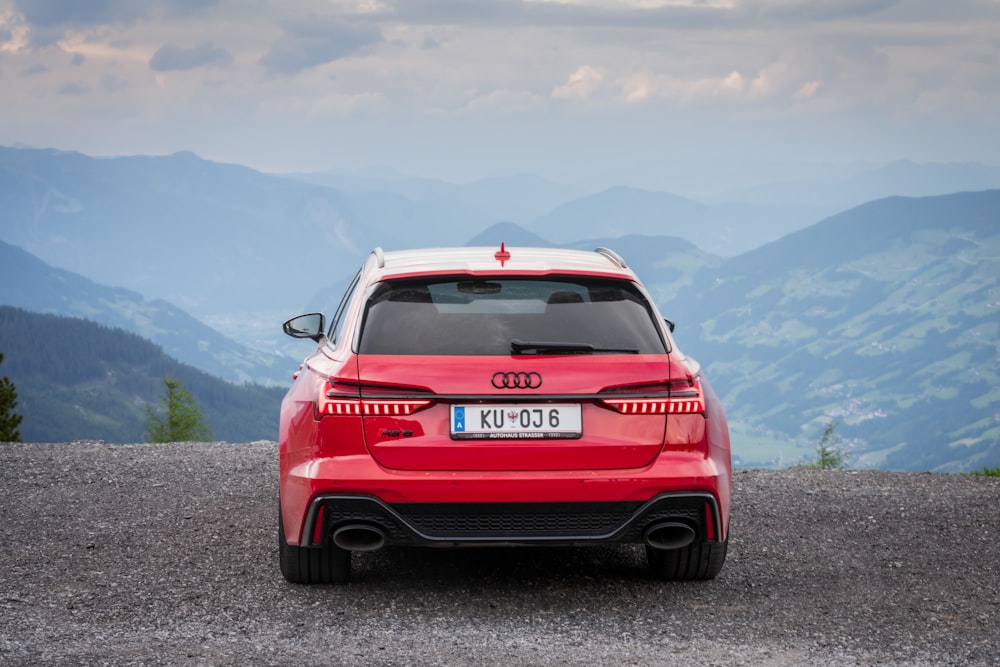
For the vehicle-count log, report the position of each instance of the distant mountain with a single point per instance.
(509, 234)
(78, 380)
(517, 198)
(885, 317)
(617, 211)
(665, 264)
(739, 221)
(900, 178)
(240, 249)
(224, 242)
(721, 228)
(29, 283)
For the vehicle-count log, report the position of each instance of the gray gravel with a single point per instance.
(166, 554)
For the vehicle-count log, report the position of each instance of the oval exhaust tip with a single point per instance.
(359, 537)
(669, 535)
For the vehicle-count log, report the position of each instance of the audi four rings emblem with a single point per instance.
(519, 380)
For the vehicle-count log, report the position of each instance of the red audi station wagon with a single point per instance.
(526, 396)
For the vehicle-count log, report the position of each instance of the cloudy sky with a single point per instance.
(682, 95)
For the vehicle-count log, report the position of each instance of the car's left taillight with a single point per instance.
(340, 398)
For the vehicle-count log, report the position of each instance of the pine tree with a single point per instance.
(8, 401)
(830, 455)
(179, 418)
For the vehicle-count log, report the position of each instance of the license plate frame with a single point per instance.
(519, 421)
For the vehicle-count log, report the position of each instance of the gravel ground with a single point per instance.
(167, 554)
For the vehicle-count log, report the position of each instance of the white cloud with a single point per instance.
(581, 83)
(637, 89)
(807, 90)
(643, 87)
(732, 82)
(13, 33)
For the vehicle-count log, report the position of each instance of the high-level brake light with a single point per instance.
(502, 255)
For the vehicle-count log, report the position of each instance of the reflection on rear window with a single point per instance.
(482, 316)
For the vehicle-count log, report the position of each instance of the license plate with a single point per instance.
(507, 421)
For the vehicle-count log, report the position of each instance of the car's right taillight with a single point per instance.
(681, 397)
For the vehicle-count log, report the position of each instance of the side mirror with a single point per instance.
(311, 325)
(669, 323)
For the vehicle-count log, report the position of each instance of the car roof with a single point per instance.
(516, 260)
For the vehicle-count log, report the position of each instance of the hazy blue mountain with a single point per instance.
(239, 249)
(79, 380)
(866, 183)
(885, 317)
(508, 233)
(739, 221)
(723, 228)
(224, 242)
(517, 198)
(29, 283)
(617, 211)
(665, 264)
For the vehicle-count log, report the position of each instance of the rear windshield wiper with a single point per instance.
(518, 346)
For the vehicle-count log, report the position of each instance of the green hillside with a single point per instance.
(79, 380)
(884, 317)
(29, 283)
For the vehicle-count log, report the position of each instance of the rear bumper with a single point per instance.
(430, 508)
(455, 524)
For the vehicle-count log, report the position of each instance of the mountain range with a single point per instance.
(885, 318)
(882, 317)
(240, 250)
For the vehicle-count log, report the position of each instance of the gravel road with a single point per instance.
(167, 554)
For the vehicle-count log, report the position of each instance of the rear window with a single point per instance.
(483, 316)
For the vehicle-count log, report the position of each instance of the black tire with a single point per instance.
(698, 560)
(312, 565)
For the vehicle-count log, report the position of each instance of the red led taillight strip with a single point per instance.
(333, 402)
(656, 406)
(370, 407)
(683, 397)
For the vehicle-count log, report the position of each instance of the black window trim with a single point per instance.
(338, 314)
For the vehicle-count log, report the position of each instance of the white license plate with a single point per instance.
(533, 421)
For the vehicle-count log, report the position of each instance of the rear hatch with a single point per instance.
(512, 370)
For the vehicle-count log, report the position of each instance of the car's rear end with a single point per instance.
(534, 397)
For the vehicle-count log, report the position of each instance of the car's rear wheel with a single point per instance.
(312, 565)
(698, 560)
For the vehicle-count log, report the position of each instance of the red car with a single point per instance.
(526, 396)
